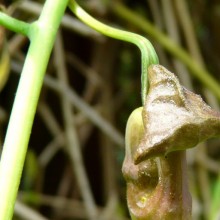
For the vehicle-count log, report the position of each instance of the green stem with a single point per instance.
(42, 34)
(14, 24)
(215, 205)
(148, 54)
(198, 71)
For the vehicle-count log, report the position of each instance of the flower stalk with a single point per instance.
(148, 54)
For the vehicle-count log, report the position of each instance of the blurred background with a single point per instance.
(92, 84)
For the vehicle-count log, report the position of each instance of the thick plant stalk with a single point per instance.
(42, 34)
(172, 120)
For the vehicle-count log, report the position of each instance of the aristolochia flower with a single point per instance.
(174, 118)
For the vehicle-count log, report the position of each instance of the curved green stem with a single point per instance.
(148, 54)
(14, 24)
(198, 71)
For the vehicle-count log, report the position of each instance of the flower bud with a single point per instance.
(174, 118)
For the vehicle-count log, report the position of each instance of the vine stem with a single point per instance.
(198, 71)
(14, 24)
(148, 54)
(42, 34)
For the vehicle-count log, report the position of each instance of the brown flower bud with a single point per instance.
(174, 118)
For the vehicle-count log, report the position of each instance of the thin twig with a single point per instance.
(89, 112)
(73, 208)
(50, 150)
(93, 79)
(72, 144)
(172, 29)
(158, 20)
(187, 26)
(27, 213)
(79, 103)
(49, 119)
(92, 76)
(106, 52)
(208, 163)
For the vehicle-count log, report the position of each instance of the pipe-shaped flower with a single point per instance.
(157, 188)
(174, 118)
